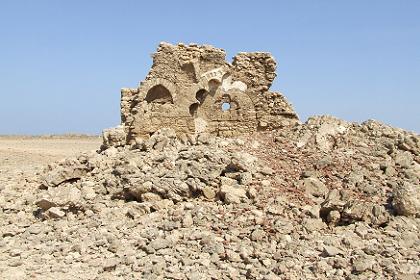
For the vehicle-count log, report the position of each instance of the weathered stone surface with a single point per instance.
(325, 132)
(114, 137)
(233, 194)
(55, 212)
(406, 199)
(313, 186)
(337, 208)
(67, 170)
(209, 193)
(192, 89)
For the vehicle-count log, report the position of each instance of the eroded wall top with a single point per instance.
(192, 89)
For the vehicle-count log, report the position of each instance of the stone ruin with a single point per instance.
(193, 90)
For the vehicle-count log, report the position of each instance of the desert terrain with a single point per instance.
(32, 153)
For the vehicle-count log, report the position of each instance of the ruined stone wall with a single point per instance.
(192, 89)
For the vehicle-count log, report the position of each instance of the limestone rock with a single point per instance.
(209, 193)
(55, 212)
(233, 194)
(324, 133)
(114, 137)
(314, 187)
(67, 170)
(331, 251)
(337, 208)
(362, 264)
(406, 200)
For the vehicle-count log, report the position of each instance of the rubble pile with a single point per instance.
(324, 199)
(158, 171)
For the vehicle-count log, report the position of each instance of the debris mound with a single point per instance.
(159, 168)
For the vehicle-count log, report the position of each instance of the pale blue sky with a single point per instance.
(62, 63)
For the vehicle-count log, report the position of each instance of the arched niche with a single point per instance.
(159, 94)
(193, 109)
(213, 85)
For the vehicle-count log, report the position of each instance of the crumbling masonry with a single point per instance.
(192, 89)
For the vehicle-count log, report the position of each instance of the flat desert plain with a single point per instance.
(21, 154)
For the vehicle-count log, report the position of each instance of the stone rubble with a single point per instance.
(219, 208)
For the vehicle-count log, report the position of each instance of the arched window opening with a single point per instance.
(201, 95)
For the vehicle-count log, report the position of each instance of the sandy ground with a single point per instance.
(31, 154)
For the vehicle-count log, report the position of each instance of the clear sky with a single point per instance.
(62, 63)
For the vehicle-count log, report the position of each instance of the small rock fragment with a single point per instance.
(55, 212)
(361, 264)
(330, 251)
(232, 194)
(208, 192)
(314, 187)
(45, 204)
(406, 200)
(188, 220)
